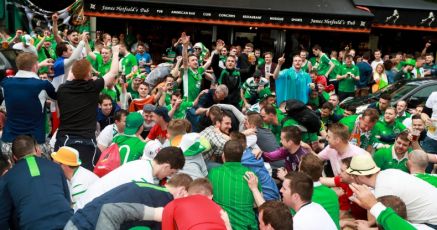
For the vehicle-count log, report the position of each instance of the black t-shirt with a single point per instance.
(207, 99)
(77, 101)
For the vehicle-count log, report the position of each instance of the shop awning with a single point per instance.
(339, 15)
(402, 14)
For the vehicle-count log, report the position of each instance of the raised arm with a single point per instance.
(281, 61)
(58, 38)
(38, 47)
(113, 71)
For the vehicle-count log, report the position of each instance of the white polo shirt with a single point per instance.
(313, 217)
(419, 196)
(80, 182)
(138, 170)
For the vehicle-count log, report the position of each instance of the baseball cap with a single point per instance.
(162, 112)
(198, 45)
(67, 156)
(149, 108)
(265, 93)
(151, 149)
(409, 61)
(27, 39)
(133, 122)
(362, 165)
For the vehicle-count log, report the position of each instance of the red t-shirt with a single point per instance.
(196, 212)
(156, 132)
(345, 204)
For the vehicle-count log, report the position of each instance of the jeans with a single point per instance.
(429, 145)
(87, 147)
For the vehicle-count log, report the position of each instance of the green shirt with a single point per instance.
(347, 84)
(385, 158)
(95, 63)
(338, 111)
(365, 139)
(104, 67)
(232, 193)
(182, 110)
(306, 137)
(328, 199)
(191, 81)
(402, 118)
(390, 220)
(334, 72)
(127, 63)
(430, 178)
(385, 132)
(113, 93)
(130, 147)
(42, 56)
(130, 90)
(323, 66)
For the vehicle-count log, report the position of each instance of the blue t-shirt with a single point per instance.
(365, 74)
(133, 192)
(142, 59)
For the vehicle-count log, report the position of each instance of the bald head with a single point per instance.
(418, 159)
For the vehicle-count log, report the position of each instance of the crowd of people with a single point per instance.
(97, 135)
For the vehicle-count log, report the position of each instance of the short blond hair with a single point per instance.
(25, 61)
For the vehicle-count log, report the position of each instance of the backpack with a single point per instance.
(108, 161)
(298, 111)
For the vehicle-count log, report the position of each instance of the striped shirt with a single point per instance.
(233, 194)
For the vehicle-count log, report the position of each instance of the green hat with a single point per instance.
(265, 93)
(133, 122)
(409, 61)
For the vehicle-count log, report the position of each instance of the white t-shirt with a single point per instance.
(334, 158)
(375, 63)
(138, 170)
(431, 102)
(313, 217)
(79, 183)
(106, 135)
(419, 196)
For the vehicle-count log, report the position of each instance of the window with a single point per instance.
(422, 94)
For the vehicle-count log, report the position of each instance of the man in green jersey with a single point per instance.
(386, 131)
(325, 66)
(395, 156)
(348, 74)
(130, 146)
(129, 62)
(192, 74)
(306, 65)
(405, 72)
(401, 111)
(361, 128)
(417, 163)
(335, 101)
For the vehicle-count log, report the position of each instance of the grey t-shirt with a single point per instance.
(266, 140)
